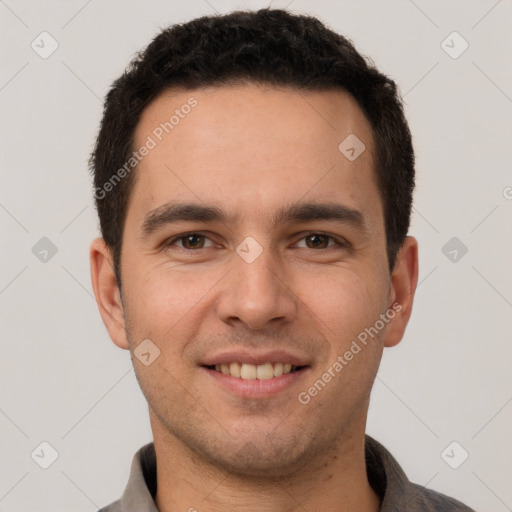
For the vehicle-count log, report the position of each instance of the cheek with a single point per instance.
(345, 300)
(167, 303)
(347, 306)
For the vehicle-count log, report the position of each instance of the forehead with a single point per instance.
(254, 146)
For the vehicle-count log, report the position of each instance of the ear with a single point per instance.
(107, 292)
(404, 279)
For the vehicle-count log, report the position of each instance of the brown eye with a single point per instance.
(321, 241)
(192, 241)
(316, 241)
(189, 241)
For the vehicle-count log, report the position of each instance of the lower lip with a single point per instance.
(247, 388)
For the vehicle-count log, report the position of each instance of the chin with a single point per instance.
(261, 456)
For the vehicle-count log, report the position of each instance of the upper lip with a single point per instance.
(255, 357)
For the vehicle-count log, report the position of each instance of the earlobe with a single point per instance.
(107, 292)
(404, 280)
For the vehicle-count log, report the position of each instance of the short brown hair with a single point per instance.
(269, 46)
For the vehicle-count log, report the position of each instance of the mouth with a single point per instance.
(255, 375)
(249, 371)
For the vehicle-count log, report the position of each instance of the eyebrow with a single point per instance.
(171, 213)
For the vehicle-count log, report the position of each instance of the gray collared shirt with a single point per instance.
(385, 475)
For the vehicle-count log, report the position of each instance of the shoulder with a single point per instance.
(396, 491)
(428, 500)
(113, 507)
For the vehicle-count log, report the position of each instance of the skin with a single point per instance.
(251, 150)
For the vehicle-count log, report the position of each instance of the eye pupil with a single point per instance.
(317, 240)
(188, 241)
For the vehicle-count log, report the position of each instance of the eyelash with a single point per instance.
(169, 243)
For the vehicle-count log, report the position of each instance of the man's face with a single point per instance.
(260, 285)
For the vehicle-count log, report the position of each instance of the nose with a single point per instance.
(256, 294)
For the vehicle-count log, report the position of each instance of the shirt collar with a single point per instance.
(140, 491)
(384, 474)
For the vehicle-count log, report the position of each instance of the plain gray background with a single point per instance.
(65, 383)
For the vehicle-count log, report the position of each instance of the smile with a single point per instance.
(248, 371)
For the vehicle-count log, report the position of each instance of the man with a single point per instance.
(253, 176)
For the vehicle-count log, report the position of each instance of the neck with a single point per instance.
(334, 481)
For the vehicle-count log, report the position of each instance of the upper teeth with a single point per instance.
(253, 371)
